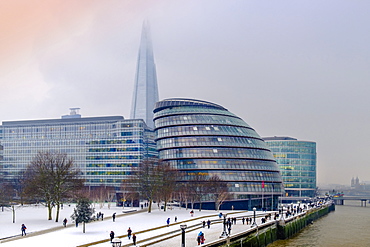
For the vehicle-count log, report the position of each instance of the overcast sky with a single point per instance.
(288, 68)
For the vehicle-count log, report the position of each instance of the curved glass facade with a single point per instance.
(202, 138)
(297, 163)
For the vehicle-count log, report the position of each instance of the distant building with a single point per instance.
(104, 148)
(297, 163)
(200, 138)
(146, 89)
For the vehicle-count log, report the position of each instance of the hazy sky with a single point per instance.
(288, 68)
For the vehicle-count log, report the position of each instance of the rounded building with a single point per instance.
(202, 138)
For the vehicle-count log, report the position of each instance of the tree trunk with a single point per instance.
(57, 215)
(13, 213)
(150, 206)
(83, 227)
(165, 205)
(50, 208)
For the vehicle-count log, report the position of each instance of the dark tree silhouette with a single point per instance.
(52, 177)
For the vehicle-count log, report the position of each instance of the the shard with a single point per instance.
(146, 88)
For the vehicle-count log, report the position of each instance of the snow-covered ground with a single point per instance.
(35, 218)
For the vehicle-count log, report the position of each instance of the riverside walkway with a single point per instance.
(150, 229)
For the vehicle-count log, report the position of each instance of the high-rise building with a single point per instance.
(146, 88)
(103, 148)
(200, 138)
(297, 163)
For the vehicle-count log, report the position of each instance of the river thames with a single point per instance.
(348, 225)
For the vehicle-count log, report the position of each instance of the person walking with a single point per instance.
(199, 238)
(208, 223)
(129, 231)
(65, 222)
(168, 221)
(23, 229)
(114, 217)
(134, 239)
(202, 239)
(111, 235)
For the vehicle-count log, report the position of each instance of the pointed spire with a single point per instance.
(146, 88)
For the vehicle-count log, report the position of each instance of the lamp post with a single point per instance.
(254, 217)
(116, 242)
(224, 233)
(183, 227)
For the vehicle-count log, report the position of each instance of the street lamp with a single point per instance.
(183, 227)
(116, 242)
(224, 233)
(254, 217)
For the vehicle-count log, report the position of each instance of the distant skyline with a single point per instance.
(288, 68)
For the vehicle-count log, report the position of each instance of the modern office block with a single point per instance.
(297, 163)
(104, 148)
(200, 138)
(146, 89)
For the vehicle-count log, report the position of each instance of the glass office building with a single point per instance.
(202, 138)
(297, 163)
(104, 148)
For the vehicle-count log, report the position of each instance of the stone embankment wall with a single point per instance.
(271, 231)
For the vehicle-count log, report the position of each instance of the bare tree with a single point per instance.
(149, 179)
(52, 177)
(218, 190)
(198, 187)
(101, 194)
(167, 186)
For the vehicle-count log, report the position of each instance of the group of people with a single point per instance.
(129, 235)
(200, 238)
(208, 223)
(99, 215)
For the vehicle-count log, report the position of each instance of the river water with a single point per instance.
(348, 226)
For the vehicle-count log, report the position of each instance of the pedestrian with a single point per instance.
(111, 235)
(23, 229)
(203, 223)
(114, 217)
(168, 221)
(102, 216)
(202, 239)
(175, 218)
(220, 215)
(129, 231)
(243, 220)
(208, 223)
(134, 239)
(199, 238)
(65, 222)
(76, 223)
(192, 213)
